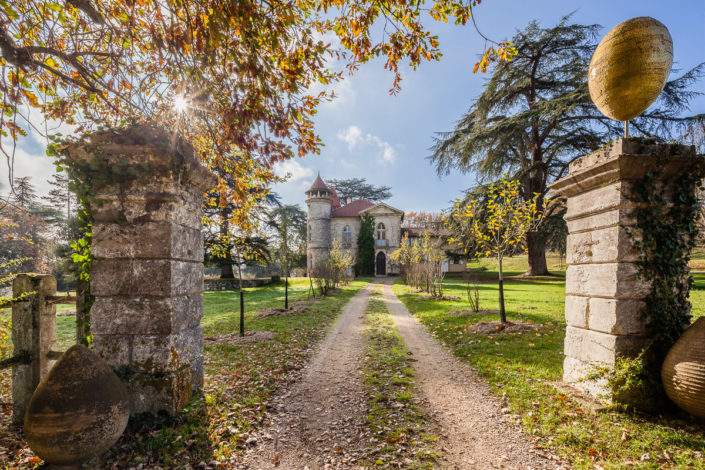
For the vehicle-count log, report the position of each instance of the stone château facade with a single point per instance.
(328, 220)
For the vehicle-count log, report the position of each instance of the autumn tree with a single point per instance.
(506, 220)
(359, 188)
(422, 219)
(234, 77)
(535, 116)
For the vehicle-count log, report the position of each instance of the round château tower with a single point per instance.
(318, 200)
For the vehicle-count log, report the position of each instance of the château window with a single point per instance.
(347, 235)
(309, 232)
(381, 232)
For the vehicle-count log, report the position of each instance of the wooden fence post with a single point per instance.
(33, 333)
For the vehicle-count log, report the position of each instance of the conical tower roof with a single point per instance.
(318, 184)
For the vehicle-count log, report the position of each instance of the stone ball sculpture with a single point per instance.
(629, 68)
(683, 371)
(78, 411)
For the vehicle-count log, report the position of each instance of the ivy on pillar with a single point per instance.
(145, 191)
(610, 278)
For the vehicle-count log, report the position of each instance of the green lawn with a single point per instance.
(222, 308)
(525, 369)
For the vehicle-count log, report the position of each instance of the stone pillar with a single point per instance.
(33, 335)
(604, 294)
(147, 272)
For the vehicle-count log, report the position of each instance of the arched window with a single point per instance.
(381, 232)
(347, 235)
(309, 232)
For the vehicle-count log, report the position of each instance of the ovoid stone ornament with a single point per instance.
(683, 371)
(630, 67)
(78, 411)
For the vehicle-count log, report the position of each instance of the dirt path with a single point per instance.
(473, 432)
(319, 423)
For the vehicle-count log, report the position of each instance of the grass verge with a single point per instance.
(397, 424)
(525, 369)
(239, 379)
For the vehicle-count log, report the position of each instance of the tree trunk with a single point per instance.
(226, 269)
(226, 265)
(537, 255)
(502, 312)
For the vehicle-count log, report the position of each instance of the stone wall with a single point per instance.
(147, 273)
(234, 284)
(338, 223)
(604, 294)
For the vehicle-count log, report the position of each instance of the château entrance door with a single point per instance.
(381, 264)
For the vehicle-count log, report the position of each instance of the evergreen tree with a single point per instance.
(23, 192)
(535, 116)
(359, 188)
(60, 197)
(366, 246)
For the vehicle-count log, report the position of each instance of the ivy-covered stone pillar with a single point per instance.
(612, 195)
(145, 189)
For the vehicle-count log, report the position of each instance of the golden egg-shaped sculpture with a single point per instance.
(683, 371)
(629, 67)
(78, 411)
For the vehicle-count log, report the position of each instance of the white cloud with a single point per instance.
(293, 171)
(354, 137)
(351, 136)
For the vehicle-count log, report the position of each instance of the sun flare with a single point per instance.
(180, 104)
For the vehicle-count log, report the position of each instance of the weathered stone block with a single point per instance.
(153, 354)
(114, 349)
(611, 244)
(599, 199)
(576, 311)
(157, 207)
(154, 240)
(594, 346)
(575, 371)
(197, 368)
(151, 393)
(617, 317)
(146, 315)
(592, 221)
(144, 277)
(617, 280)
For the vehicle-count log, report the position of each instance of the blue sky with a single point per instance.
(386, 139)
